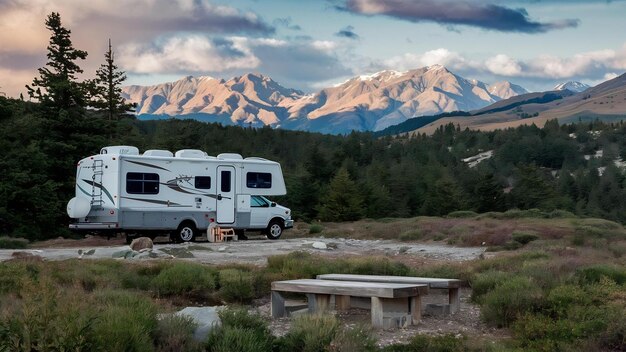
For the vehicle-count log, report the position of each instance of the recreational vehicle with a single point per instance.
(122, 191)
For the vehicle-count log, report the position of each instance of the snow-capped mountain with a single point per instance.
(506, 90)
(367, 102)
(572, 86)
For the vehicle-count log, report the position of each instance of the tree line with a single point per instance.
(330, 178)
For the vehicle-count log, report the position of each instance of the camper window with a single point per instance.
(202, 182)
(259, 180)
(258, 202)
(142, 183)
(225, 181)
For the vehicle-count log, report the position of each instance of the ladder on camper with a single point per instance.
(96, 183)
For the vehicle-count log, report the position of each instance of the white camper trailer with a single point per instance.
(121, 191)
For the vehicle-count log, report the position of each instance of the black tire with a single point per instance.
(186, 232)
(129, 239)
(275, 229)
(241, 235)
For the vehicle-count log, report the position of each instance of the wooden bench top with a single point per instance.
(431, 282)
(351, 288)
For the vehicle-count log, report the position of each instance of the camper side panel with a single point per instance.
(160, 193)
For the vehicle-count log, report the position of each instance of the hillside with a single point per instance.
(363, 103)
(606, 102)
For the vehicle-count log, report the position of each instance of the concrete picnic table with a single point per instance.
(452, 285)
(392, 304)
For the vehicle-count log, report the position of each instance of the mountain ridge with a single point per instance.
(363, 103)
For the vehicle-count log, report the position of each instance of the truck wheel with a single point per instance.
(186, 232)
(274, 229)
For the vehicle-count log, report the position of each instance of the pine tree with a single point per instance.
(107, 91)
(56, 87)
(343, 201)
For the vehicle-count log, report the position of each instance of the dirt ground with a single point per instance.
(254, 251)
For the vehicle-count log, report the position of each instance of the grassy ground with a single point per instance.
(556, 284)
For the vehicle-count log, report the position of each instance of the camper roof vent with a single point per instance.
(120, 149)
(158, 152)
(191, 153)
(230, 156)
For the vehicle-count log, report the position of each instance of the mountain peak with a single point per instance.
(506, 90)
(573, 86)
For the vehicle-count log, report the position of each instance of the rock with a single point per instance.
(319, 245)
(205, 317)
(141, 243)
(122, 254)
(221, 249)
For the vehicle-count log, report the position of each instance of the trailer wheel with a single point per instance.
(274, 229)
(186, 232)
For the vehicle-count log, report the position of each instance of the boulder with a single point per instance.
(205, 318)
(320, 245)
(141, 243)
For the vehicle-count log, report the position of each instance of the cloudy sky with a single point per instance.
(309, 44)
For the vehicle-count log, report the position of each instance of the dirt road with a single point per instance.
(256, 251)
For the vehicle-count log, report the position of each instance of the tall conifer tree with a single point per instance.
(56, 87)
(107, 95)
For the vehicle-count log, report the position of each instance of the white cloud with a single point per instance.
(187, 54)
(503, 65)
(439, 56)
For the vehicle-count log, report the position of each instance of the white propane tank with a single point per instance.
(78, 207)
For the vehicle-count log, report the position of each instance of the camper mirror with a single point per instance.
(273, 204)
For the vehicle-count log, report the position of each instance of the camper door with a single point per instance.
(225, 194)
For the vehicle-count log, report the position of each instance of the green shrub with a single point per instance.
(462, 214)
(524, 237)
(310, 333)
(125, 321)
(594, 274)
(175, 333)
(240, 331)
(358, 338)
(507, 301)
(236, 285)
(315, 228)
(561, 214)
(485, 282)
(13, 243)
(183, 278)
(512, 245)
(422, 343)
(410, 235)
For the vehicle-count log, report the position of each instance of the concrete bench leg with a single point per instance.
(392, 312)
(454, 298)
(342, 302)
(318, 303)
(278, 305)
(415, 307)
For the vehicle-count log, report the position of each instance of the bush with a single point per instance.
(411, 235)
(240, 331)
(175, 333)
(358, 338)
(125, 321)
(236, 285)
(594, 274)
(13, 243)
(485, 282)
(184, 278)
(562, 214)
(462, 214)
(421, 343)
(512, 298)
(524, 237)
(310, 333)
(315, 228)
